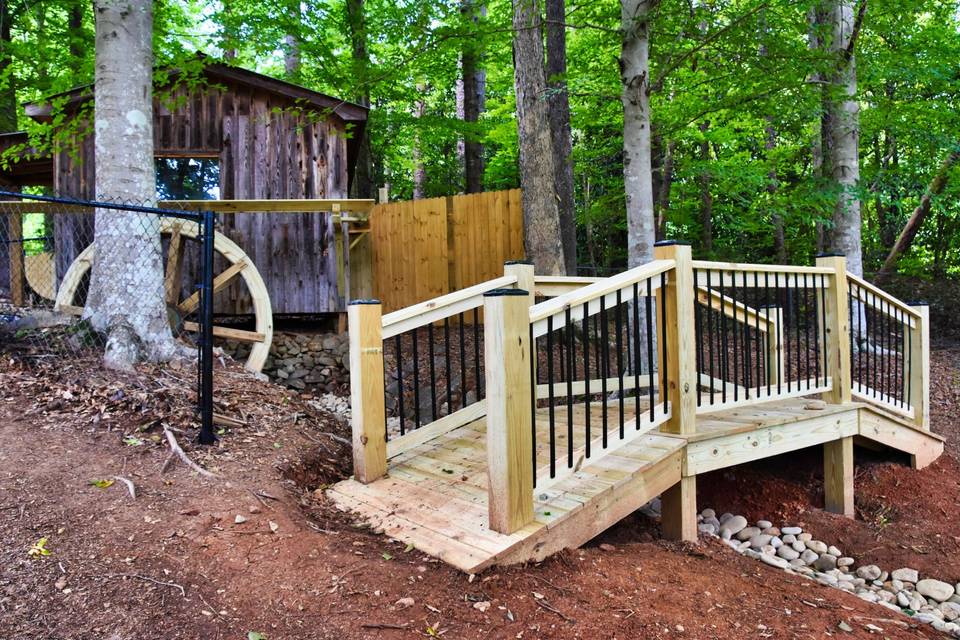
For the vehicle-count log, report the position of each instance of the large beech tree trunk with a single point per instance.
(126, 290)
(842, 135)
(541, 214)
(637, 170)
(560, 128)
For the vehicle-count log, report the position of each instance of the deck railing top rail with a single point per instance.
(876, 295)
(773, 268)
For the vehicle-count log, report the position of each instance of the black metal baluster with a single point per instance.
(710, 336)
(416, 381)
(398, 345)
(663, 345)
(570, 376)
(433, 374)
(446, 363)
(561, 340)
(766, 305)
(636, 354)
(909, 371)
(477, 379)
(648, 304)
(586, 374)
(605, 356)
(756, 318)
(736, 351)
(550, 408)
(823, 333)
(723, 343)
(806, 327)
(618, 323)
(784, 352)
(795, 293)
(747, 381)
(463, 367)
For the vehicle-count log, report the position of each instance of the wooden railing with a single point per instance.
(597, 361)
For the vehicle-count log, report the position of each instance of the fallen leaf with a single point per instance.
(239, 519)
(103, 484)
(481, 606)
(404, 603)
(843, 626)
(386, 556)
(39, 549)
(255, 635)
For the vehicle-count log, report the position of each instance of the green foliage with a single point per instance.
(734, 100)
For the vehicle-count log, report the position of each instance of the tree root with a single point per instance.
(176, 451)
(132, 489)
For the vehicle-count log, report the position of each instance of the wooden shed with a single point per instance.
(256, 138)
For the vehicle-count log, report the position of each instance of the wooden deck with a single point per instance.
(435, 495)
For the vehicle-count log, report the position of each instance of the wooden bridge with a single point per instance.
(507, 421)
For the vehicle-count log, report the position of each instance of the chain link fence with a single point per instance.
(86, 283)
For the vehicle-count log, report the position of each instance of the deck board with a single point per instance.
(435, 494)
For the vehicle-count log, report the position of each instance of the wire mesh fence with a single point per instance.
(87, 283)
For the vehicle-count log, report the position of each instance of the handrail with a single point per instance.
(551, 286)
(424, 313)
(772, 268)
(734, 309)
(883, 295)
(598, 289)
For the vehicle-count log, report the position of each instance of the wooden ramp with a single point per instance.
(435, 495)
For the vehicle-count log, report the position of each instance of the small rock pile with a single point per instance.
(792, 549)
(318, 362)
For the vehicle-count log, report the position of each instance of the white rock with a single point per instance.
(832, 550)
(772, 531)
(775, 561)
(936, 589)
(747, 533)
(816, 546)
(809, 556)
(788, 538)
(776, 542)
(798, 546)
(768, 549)
(951, 611)
(759, 541)
(905, 575)
(727, 516)
(896, 585)
(732, 525)
(239, 519)
(707, 529)
(764, 524)
(708, 513)
(917, 602)
(903, 599)
(886, 596)
(792, 531)
(787, 553)
(848, 562)
(805, 537)
(867, 572)
(825, 562)
(743, 546)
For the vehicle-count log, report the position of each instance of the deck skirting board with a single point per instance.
(739, 448)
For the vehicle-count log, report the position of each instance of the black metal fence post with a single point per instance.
(207, 435)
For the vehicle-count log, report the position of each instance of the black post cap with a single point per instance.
(509, 262)
(830, 254)
(364, 301)
(670, 243)
(505, 292)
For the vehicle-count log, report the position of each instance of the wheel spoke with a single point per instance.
(228, 332)
(222, 280)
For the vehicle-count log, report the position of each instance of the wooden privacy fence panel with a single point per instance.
(426, 248)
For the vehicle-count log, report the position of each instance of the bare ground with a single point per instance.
(174, 563)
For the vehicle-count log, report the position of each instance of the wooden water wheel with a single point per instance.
(71, 295)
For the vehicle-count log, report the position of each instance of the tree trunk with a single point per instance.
(842, 131)
(559, 105)
(419, 170)
(362, 185)
(474, 89)
(909, 232)
(706, 198)
(291, 58)
(541, 215)
(8, 96)
(779, 240)
(637, 174)
(126, 290)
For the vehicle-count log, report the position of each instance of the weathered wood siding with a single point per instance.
(268, 147)
(426, 248)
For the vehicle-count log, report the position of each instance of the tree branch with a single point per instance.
(857, 25)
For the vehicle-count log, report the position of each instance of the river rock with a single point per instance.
(772, 531)
(708, 513)
(868, 572)
(809, 556)
(825, 562)
(817, 547)
(951, 611)
(788, 538)
(804, 537)
(708, 529)
(798, 546)
(832, 550)
(792, 531)
(775, 542)
(759, 541)
(903, 599)
(848, 562)
(787, 553)
(905, 575)
(917, 602)
(726, 516)
(732, 525)
(764, 524)
(936, 589)
(747, 533)
(775, 561)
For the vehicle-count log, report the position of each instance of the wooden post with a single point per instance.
(774, 346)
(679, 338)
(837, 330)
(918, 361)
(526, 274)
(678, 513)
(838, 476)
(383, 194)
(366, 390)
(506, 352)
(15, 249)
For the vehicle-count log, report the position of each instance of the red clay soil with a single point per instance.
(174, 563)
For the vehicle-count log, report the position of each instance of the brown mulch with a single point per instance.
(175, 563)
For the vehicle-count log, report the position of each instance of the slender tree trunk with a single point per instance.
(537, 167)
(779, 239)
(560, 127)
(706, 198)
(291, 57)
(843, 133)
(473, 88)
(663, 192)
(8, 95)
(637, 174)
(909, 232)
(75, 25)
(419, 170)
(362, 186)
(126, 290)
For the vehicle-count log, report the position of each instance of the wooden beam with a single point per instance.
(837, 330)
(918, 362)
(222, 280)
(679, 336)
(679, 510)
(227, 333)
(366, 390)
(15, 251)
(171, 279)
(838, 476)
(774, 346)
(509, 393)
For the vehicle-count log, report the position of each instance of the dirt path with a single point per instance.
(320, 576)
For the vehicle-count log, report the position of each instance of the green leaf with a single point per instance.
(103, 484)
(133, 441)
(386, 556)
(409, 548)
(255, 635)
